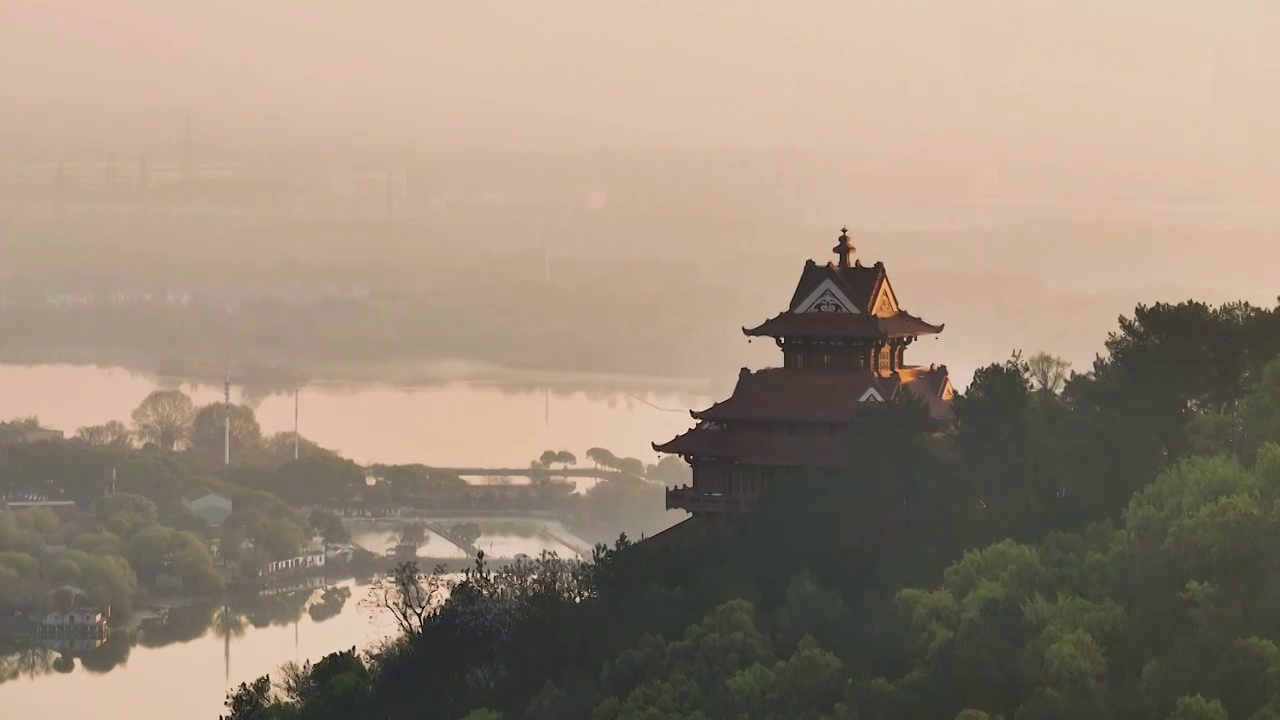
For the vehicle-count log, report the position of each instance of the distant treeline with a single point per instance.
(607, 322)
(173, 449)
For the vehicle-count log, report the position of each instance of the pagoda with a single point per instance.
(843, 340)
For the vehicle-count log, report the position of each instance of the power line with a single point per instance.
(637, 398)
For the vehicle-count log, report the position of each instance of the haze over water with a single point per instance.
(583, 188)
(455, 425)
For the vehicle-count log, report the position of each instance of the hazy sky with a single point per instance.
(1060, 76)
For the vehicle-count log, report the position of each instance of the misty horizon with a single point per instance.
(1062, 80)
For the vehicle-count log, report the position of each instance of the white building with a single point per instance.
(214, 508)
(311, 557)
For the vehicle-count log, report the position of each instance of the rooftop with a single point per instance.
(844, 299)
(841, 325)
(773, 449)
(824, 396)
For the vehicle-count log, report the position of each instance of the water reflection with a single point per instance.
(232, 619)
(499, 538)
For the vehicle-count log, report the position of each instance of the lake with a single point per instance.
(183, 669)
(449, 425)
(186, 679)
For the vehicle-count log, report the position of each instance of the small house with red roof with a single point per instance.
(843, 339)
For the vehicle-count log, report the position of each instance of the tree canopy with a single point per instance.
(1101, 545)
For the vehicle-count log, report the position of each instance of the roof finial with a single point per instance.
(845, 249)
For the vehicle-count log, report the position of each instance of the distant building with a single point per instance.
(17, 433)
(66, 510)
(311, 557)
(76, 619)
(214, 508)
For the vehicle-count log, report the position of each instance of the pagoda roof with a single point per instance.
(793, 395)
(842, 325)
(859, 283)
(678, 532)
(931, 384)
(824, 395)
(787, 450)
(844, 300)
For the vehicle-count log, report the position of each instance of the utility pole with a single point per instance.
(541, 244)
(389, 197)
(144, 182)
(109, 178)
(295, 421)
(186, 152)
(60, 191)
(226, 424)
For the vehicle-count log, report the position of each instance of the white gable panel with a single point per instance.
(827, 298)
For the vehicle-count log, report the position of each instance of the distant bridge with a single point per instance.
(360, 511)
(552, 529)
(534, 473)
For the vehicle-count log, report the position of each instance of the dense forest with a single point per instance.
(1089, 545)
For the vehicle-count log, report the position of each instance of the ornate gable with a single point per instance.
(827, 302)
(827, 298)
(886, 303)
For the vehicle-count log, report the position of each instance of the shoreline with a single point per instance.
(408, 374)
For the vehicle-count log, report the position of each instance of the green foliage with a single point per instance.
(127, 504)
(1195, 707)
(1099, 546)
(23, 530)
(314, 478)
(329, 526)
(465, 534)
(1261, 412)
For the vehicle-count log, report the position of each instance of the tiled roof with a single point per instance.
(788, 450)
(933, 385)
(793, 395)
(858, 282)
(822, 395)
(842, 325)
(676, 532)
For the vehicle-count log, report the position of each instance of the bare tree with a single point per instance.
(411, 597)
(164, 417)
(111, 434)
(1048, 372)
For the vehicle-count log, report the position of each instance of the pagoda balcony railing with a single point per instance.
(687, 498)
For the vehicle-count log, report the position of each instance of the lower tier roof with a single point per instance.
(822, 395)
(843, 325)
(778, 449)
